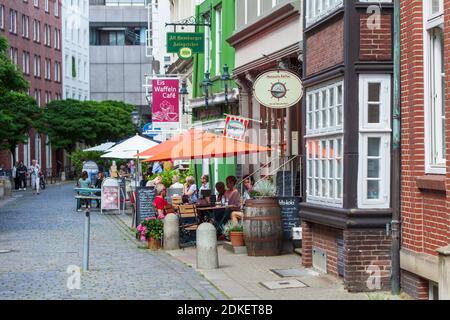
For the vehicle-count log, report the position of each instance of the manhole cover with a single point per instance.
(283, 284)
(5, 251)
(286, 273)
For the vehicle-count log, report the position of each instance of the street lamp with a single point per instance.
(183, 93)
(206, 84)
(136, 119)
(225, 78)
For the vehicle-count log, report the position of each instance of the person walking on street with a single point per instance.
(15, 176)
(22, 175)
(34, 171)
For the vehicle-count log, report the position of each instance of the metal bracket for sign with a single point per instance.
(188, 22)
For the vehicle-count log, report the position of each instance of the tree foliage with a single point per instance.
(18, 114)
(18, 111)
(11, 79)
(67, 122)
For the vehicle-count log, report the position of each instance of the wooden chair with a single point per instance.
(177, 200)
(188, 223)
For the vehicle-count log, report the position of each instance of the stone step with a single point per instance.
(236, 250)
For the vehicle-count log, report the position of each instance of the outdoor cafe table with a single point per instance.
(91, 196)
(219, 214)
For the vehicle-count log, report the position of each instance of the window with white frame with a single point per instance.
(325, 170)
(435, 151)
(56, 8)
(218, 13)
(324, 144)
(318, 9)
(26, 62)
(46, 6)
(36, 3)
(324, 107)
(2, 16)
(25, 26)
(13, 21)
(374, 141)
(207, 55)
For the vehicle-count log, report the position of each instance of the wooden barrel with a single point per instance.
(263, 229)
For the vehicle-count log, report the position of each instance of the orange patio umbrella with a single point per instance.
(198, 144)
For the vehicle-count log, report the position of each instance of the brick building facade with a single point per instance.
(33, 29)
(425, 69)
(347, 120)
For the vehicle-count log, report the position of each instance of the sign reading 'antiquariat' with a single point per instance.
(278, 89)
(185, 43)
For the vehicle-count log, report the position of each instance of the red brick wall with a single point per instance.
(306, 244)
(425, 214)
(326, 239)
(325, 48)
(363, 249)
(376, 43)
(416, 287)
(27, 44)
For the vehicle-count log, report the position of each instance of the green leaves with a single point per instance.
(18, 114)
(11, 79)
(70, 121)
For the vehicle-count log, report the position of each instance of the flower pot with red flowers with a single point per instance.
(151, 230)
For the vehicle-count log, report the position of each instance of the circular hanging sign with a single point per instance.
(278, 89)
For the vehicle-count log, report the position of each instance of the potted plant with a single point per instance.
(235, 233)
(151, 230)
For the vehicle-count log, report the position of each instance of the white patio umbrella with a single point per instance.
(101, 147)
(129, 148)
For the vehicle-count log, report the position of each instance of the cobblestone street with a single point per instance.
(45, 236)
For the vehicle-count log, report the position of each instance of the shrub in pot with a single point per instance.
(235, 233)
(151, 230)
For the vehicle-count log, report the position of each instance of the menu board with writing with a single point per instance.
(290, 214)
(144, 203)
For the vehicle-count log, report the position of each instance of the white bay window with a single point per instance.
(324, 144)
(374, 141)
(318, 9)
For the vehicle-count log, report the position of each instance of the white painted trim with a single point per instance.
(431, 23)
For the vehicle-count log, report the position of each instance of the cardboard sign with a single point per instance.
(235, 127)
(165, 101)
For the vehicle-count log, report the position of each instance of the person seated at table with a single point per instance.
(176, 183)
(154, 182)
(205, 182)
(248, 182)
(98, 185)
(232, 196)
(85, 183)
(190, 190)
(160, 201)
(220, 187)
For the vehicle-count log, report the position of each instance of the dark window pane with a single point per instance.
(373, 113)
(374, 92)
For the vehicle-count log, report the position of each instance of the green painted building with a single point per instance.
(209, 114)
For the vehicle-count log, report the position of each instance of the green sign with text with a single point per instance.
(185, 43)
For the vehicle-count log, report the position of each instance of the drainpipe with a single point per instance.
(396, 158)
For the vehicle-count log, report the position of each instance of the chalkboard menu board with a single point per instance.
(285, 184)
(290, 214)
(144, 203)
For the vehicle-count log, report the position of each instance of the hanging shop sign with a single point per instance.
(235, 127)
(185, 43)
(165, 100)
(278, 89)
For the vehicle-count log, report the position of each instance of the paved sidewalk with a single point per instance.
(42, 235)
(240, 277)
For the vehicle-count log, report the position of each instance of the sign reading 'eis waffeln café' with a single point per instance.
(185, 43)
(165, 100)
